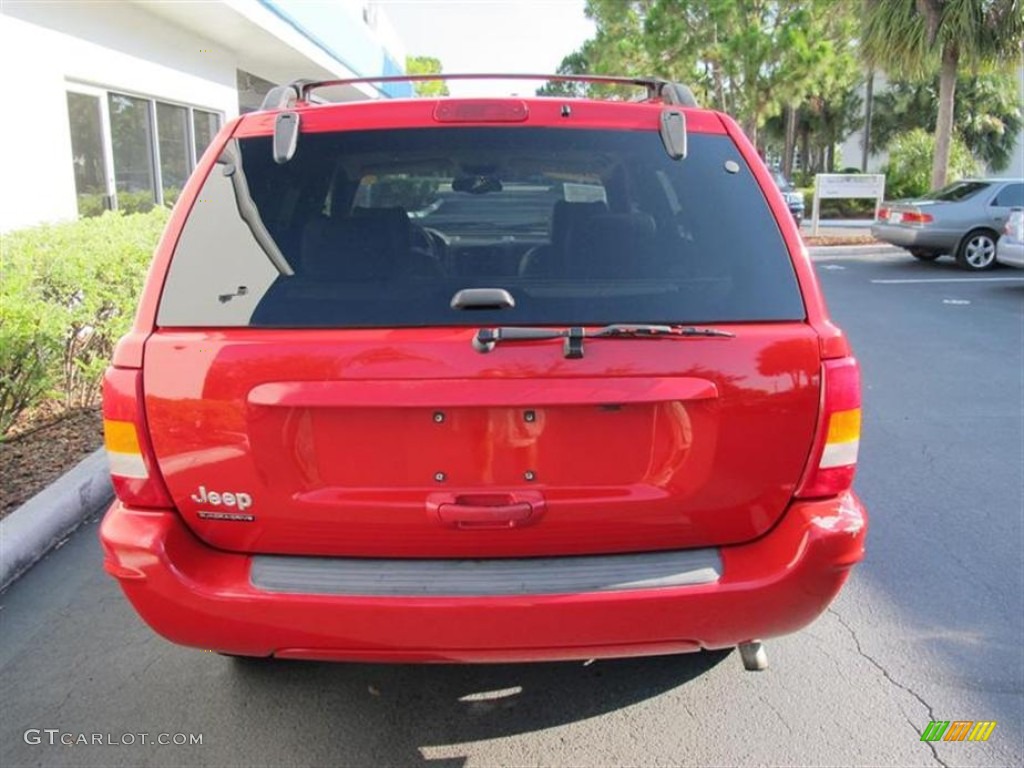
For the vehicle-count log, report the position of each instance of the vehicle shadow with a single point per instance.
(363, 714)
(1010, 290)
(944, 266)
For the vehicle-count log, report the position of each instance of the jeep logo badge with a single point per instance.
(237, 499)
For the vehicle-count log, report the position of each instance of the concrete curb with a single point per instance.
(42, 522)
(854, 250)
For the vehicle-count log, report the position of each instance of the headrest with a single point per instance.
(613, 245)
(565, 216)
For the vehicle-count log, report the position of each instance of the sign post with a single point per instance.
(831, 186)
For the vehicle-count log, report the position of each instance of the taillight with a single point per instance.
(133, 469)
(883, 214)
(1014, 228)
(916, 217)
(833, 460)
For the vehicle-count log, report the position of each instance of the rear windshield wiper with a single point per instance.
(249, 213)
(486, 339)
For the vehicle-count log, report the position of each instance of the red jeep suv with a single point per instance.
(506, 379)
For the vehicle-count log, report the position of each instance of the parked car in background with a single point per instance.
(963, 219)
(1010, 248)
(794, 197)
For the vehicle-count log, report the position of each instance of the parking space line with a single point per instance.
(953, 280)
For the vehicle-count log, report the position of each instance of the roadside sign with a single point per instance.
(844, 186)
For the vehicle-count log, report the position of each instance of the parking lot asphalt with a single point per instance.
(930, 627)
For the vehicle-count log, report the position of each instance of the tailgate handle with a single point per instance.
(485, 510)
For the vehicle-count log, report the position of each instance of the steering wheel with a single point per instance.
(432, 241)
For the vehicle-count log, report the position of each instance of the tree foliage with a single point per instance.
(908, 37)
(749, 58)
(788, 70)
(426, 65)
(987, 114)
(917, 38)
(908, 173)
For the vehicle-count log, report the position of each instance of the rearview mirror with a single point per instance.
(477, 185)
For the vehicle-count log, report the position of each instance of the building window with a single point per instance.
(206, 125)
(175, 152)
(131, 152)
(87, 153)
(131, 135)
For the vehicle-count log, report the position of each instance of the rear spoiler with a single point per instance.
(286, 96)
(671, 127)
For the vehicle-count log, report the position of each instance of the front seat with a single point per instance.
(548, 259)
(353, 248)
(612, 246)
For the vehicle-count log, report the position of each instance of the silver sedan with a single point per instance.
(963, 219)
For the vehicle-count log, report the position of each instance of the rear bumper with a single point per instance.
(198, 596)
(916, 237)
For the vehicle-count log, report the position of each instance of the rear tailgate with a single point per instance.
(310, 389)
(332, 442)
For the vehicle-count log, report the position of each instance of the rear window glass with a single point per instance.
(382, 228)
(961, 190)
(1010, 196)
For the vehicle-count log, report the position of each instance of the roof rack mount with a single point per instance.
(285, 96)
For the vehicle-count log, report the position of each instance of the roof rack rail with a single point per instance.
(285, 96)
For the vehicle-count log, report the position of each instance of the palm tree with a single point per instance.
(910, 38)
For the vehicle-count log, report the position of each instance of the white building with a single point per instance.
(110, 103)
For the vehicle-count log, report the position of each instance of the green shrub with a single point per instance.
(852, 208)
(135, 202)
(801, 178)
(808, 193)
(95, 203)
(909, 171)
(29, 343)
(91, 204)
(171, 195)
(67, 293)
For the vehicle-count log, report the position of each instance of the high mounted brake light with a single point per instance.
(133, 469)
(833, 459)
(481, 111)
